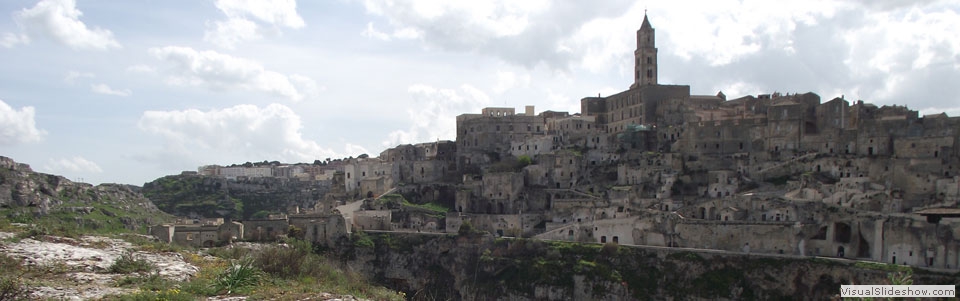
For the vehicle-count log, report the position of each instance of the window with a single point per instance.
(649, 60)
(649, 72)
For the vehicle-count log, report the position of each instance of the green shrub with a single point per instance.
(295, 232)
(239, 275)
(130, 263)
(610, 249)
(229, 252)
(361, 240)
(12, 289)
(35, 231)
(151, 282)
(287, 262)
(467, 229)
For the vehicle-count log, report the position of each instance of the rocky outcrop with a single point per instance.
(482, 268)
(204, 196)
(27, 195)
(82, 265)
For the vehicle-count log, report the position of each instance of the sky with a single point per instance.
(105, 91)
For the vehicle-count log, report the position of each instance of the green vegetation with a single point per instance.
(170, 294)
(467, 229)
(719, 282)
(686, 256)
(293, 270)
(578, 150)
(394, 200)
(880, 266)
(524, 263)
(130, 263)
(241, 275)
(779, 181)
(434, 207)
(361, 240)
(511, 164)
(76, 218)
(181, 194)
(11, 280)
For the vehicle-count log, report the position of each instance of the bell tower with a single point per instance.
(645, 68)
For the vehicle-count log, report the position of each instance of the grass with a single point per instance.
(880, 266)
(168, 294)
(152, 245)
(437, 208)
(292, 270)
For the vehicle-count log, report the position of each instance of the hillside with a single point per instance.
(61, 205)
(199, 196)
(74, 241)
(472, 267)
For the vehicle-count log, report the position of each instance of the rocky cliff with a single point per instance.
(200, 196)
(481, 268)
(31, 197)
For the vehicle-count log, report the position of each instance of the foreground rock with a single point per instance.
(79, 268)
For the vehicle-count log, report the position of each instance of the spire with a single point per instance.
(646, 22)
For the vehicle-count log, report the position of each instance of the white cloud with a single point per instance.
(219, 71)
(405, 33)
(141, 69)
(18, 126)
(524, 32)
(433, 113)
(508, 79)
(229, 33)
(9, 40)
(372, 32)
(952, 112)
(75, 164)
(60, 21)
(278, 12)
(737, 89)
(72, 76)
(104, 89)
(238, 26)
(242, 131)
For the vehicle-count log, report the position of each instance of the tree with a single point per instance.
(524, 160)
(295, 232)
(363, 156)
(467, 229)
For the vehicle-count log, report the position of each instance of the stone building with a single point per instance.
(198, 233)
